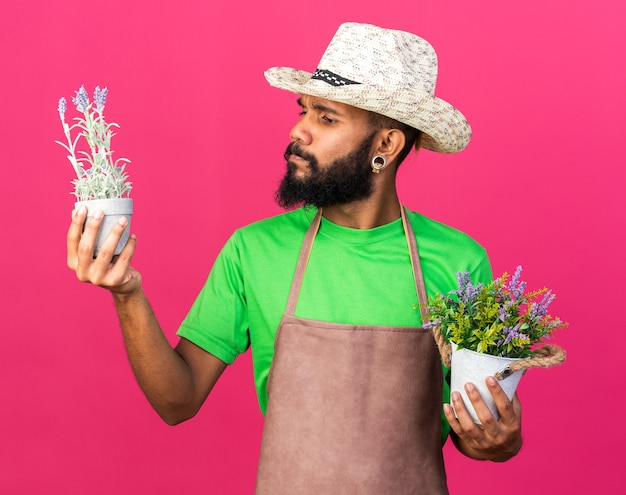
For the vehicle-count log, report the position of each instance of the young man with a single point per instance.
(354, 399)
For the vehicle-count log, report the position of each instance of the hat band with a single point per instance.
(331, 78)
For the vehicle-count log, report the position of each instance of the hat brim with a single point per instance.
(445, 128)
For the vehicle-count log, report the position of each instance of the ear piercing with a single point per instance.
(379, 162)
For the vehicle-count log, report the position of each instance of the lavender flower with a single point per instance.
(539, 310)
(100, 98)
(81, 100)
(467, 292)
(98, 175)
(515, 286)
(512, 333)
(62, 107)
(546, 301)
(503, 311)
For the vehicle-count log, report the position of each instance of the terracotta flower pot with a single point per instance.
(113, 209)
(469, 366)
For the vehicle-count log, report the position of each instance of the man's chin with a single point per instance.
(298, 171)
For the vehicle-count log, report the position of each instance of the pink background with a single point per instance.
(541, 184)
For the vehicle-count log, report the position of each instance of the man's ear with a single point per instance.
(389, 143)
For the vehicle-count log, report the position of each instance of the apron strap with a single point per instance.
(305, 253)
(417, 267)
(303, 259)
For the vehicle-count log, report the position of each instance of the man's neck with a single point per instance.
(365, 214)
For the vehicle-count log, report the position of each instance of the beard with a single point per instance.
(344, 180)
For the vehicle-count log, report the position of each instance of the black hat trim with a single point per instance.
(331, 78)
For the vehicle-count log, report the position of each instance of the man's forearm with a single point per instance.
(161, 372)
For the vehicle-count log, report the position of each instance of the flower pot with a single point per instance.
(113, 209)
(469, 366)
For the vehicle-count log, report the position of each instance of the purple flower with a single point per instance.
(539, 310)
(100, 97)
(81, 100)
(516, 287)
(546, 301)
(513, 333)
(502, 313)
(464, 280)
(467, 292)
(62, 106)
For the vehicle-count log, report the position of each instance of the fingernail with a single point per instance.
(122, 221)
(447, 408)
(469, 387)
(97, 215)
(456, 396)
(491, 381)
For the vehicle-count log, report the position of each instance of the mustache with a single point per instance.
(295, 149)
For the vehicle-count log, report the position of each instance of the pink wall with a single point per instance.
(541, 184)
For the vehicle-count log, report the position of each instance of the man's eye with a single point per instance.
(302, 112)
(328, 120)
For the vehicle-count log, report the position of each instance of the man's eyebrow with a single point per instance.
(321, 107)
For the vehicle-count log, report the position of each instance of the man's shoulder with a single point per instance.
(446, 251)
(430, 230)
(297, 220)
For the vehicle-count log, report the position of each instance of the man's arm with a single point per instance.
(175, 381)
(494, 440)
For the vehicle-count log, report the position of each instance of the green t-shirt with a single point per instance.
(361, 277)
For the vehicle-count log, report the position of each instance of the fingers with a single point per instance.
(109, 271)
(484, 412)
(105, 270)
(85, 260)
(452, 421)
(126, 256)
(74, 235)
(118, 271)
(107, 250)
(494, 439)
(503, 403)
(466, 426)
(449, 412)
(481, 408)
(488, 422)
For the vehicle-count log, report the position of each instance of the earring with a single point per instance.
(379, 162)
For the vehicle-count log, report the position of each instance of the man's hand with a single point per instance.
(495, 440)
(116, 274)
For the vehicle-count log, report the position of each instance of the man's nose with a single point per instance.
(300, 132)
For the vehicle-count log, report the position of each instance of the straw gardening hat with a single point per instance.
(386, 71)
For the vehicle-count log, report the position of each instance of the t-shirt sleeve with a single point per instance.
(218, 320)
(482, 273)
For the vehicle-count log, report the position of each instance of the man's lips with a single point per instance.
(293, 154)
(296, 158)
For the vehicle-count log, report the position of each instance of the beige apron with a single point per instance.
(352, 409)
